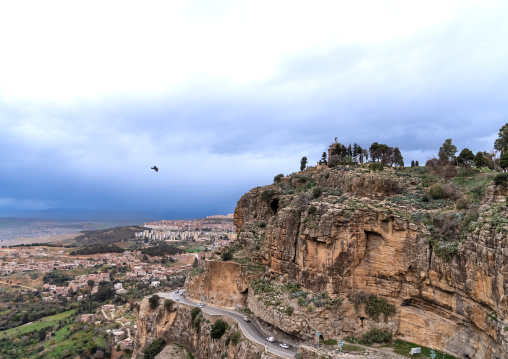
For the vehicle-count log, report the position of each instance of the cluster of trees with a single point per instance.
(161, 249)
(98, 248)
(350, 154)
(445, 161)
(355, 154)
(23, 307)
(447, 158)
(386, 155)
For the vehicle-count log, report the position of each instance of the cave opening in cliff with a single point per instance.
(274, 205)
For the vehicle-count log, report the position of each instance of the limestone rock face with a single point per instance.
(223, 284)
(176, 327)
(353, 239)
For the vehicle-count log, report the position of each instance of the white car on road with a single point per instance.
(285, 346)
(270, 339)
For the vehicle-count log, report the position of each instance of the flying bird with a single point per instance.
(155, 168)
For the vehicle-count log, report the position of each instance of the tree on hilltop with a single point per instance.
(466, 157)
(501, 143)
(447, 151)
(398, 160)
(303, 163)
(480, 160)
(504, 161)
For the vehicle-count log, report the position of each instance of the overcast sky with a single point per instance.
(224, 95)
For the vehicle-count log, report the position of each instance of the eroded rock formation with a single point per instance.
(348, 237)
(354, 239)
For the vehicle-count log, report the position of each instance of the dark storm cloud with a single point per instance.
(214, 139)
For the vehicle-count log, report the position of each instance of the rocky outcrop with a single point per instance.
(343, 251)
(223, 284)
(176, 326)
(355, 239)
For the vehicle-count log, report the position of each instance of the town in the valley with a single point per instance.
(71, 287)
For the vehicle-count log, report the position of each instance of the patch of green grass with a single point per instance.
(195, 249)
(52, 320)
(352, 348)
(67, 342)
(404, 348)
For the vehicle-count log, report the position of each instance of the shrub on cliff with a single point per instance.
(154, 348)
(196, 323)
(218, 329)
(278, 177)
(226, 256)
(501, 178)
(235, 337)
(376, 306)
(194, 312)
(316, 192)
(168, 304)
(376, 335)
(153, 301)
(261, 285)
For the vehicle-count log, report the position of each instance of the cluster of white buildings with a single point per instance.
(165, 235)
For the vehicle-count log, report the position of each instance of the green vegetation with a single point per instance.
(196, 271)
(261, 285)
(57, 277)
(329, 342)
(316, 192)
(501, 178)
(235, 337)
(404, 348)
(492, 316)
(17, 308)
(278, 178)
(218, 329)
(97, 248)
(161, 249)
(226, 256)
(154, 348)
(168, 304)
(195, 312)
(195, 249)
(376, 306)
(189, 353)
(376, 335)
(303, 163)
(154, 301)
(46, 322)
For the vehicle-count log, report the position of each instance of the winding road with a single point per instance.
(249, 330)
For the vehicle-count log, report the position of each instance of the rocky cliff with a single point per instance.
(345, 250)
(176, 325)
(434, 265)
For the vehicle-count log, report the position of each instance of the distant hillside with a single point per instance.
(107, 236)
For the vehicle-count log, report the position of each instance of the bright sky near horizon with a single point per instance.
(224, 95)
